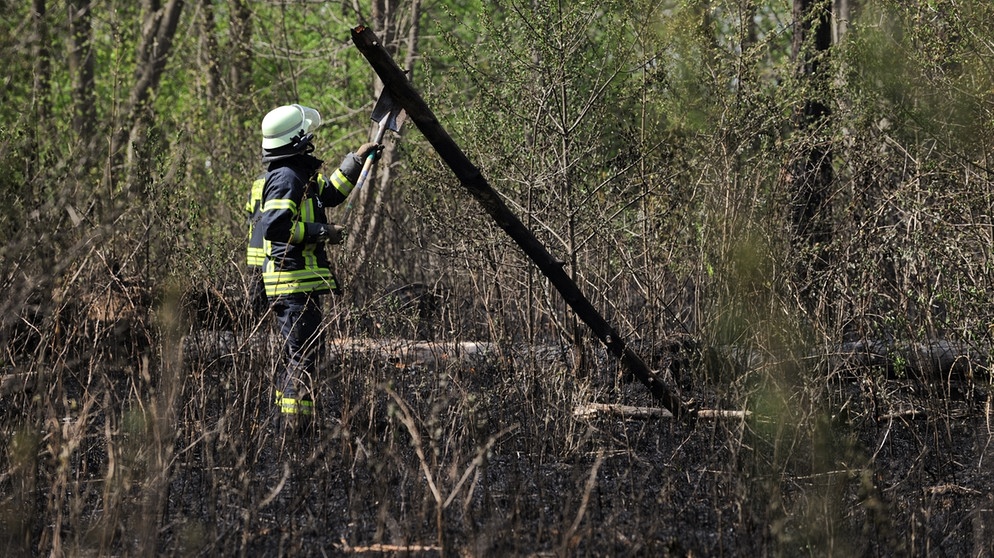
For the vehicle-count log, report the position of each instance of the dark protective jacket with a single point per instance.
(255, 252)
(295, 195)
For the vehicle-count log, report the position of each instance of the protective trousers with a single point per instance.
(299, 318)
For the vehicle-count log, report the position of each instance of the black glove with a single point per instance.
(367, 148)
(328, 234)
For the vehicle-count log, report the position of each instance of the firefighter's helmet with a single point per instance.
(289, 125)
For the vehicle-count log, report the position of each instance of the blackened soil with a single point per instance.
(407, 461)
(493, 463)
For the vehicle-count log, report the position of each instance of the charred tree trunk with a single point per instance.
(209, 42)
(81, 66)
(42, 59)
(812, 173)
(476, 185)
(39, 49)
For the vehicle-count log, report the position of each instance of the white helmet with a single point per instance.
(287, 125)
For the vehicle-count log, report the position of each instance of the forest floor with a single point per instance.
(467, 461)
(464, 461)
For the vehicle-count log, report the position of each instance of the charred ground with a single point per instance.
(105, 454)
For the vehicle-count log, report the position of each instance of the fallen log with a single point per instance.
(214, 346)
(379, 548)
(592, 410)
(929, 361)
(405, 353)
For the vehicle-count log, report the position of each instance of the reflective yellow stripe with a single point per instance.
(299, 230)
(307, 211)
(320, 274)
(274, 205)
(257, 187)
(341, 183)
(255, 256)
(297, 233)
(289, 406)
(300, 281)
(322, 181)
(298, 287)
(310, 256)
(256, 195)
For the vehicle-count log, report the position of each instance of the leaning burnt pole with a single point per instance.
(404, 96)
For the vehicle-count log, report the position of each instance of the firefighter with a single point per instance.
(296, 271)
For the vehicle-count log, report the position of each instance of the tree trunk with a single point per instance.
(812, 172)
(42, 62)
(842, 11)
(158, 31)
(388, 23)
(240, 72)
(81, 66)
(748, 22)
(209, 50)
(38, 47)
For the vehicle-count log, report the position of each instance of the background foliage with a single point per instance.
(651, 145)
